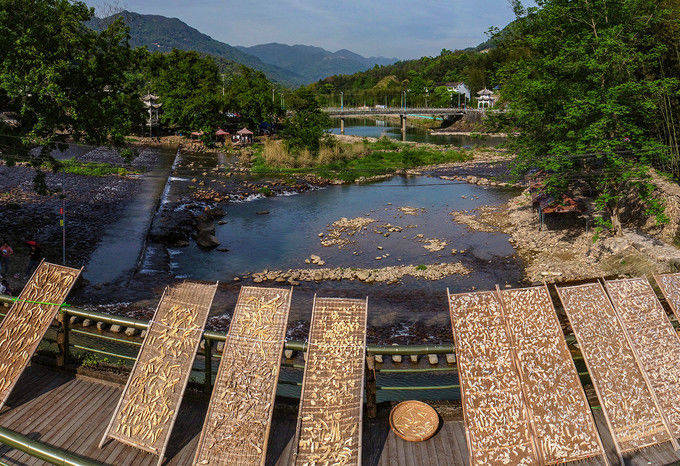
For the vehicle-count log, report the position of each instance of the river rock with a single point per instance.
(206, 240)
(363, 275)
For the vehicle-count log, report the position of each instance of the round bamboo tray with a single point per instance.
(414, 421)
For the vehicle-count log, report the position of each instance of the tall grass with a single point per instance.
(349, 161)
(92, 168)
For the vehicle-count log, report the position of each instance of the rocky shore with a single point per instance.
(387, 275)
(93, 203)
(568, 250)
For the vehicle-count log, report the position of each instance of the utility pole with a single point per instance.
(62, 222)
(272, 96)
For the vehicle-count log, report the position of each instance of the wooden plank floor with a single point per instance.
(71, 413)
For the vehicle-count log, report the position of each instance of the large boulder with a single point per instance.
(206, 240)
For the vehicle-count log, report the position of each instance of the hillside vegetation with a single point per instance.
(382, 85)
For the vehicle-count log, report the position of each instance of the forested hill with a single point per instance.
(291, 65)
(314, 63)
(476, 66)
(162, 34)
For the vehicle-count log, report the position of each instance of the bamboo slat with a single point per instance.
(626, 399)
(497, 421)
(148, 405)
(654, 341)
(670, 287)
(237, 424)
(29, 318)
(331, 406)
(564, 425)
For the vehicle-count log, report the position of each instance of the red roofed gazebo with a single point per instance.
(245, 136)
(221, 134)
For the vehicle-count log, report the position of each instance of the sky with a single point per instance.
(390, 28)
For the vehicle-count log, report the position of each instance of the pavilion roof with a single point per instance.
(245, 132)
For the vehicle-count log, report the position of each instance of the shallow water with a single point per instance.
(285, 236)
(371, 128)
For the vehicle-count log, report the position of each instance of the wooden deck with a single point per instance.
(71, 413)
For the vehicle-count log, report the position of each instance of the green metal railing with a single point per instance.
(108, 345)
(41, 450)
(105, 345)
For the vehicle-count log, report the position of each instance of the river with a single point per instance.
(376, 128)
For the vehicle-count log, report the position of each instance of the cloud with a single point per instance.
(401, 28)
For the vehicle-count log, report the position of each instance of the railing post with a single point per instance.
(207, 383)
(371, 390)
(63, 339)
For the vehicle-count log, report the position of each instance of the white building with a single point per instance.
(486, 98)
(459, 88)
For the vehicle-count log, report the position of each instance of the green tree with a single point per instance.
(189, 86)
(249, 93)
(584, 88)
(306, 127)
(59, 79)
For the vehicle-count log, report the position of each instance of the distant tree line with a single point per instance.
(421, 79)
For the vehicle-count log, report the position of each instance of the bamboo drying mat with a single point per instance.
(331, 405)
(237, 424)
(148, 405)
(654, 341)
(29, 318)
(563, 423)
(498, 427)
(670, 287)
(627, 402)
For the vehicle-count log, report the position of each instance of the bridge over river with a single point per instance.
(403, 112)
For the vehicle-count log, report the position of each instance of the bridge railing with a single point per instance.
(97, 338)
(398, 110)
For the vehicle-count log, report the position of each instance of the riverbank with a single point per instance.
(565, 249)
(93, 192)
(404, 261)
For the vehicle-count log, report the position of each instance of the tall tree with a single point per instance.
(584, 84)
(252, 95)
(307, 125)
(59, 79)
(189, 86)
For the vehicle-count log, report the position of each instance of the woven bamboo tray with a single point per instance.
(414, 421)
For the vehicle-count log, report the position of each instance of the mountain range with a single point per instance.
(290, 65)
(314, 63)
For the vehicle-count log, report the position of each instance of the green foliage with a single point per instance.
(308, 125)
(265, 191)
(91, 168)
(59, 78)
(249, 93)
(383, 85)
(377, 158)
(421, 267)
(585, 91)
(188, 85)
